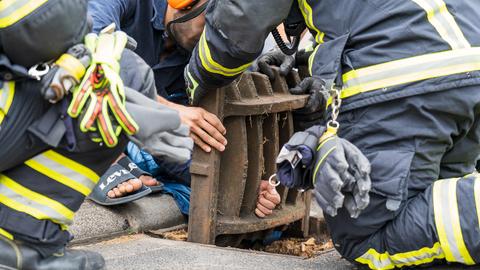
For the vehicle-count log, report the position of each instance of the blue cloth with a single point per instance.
(143, 20)
(296, 176)
(175, 177)
(180, 193)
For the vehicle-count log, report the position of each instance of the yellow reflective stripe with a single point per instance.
(439, 16)
(6, 234)
(211, 65)
(311, 59)
(6, 98)
(11, 11)
(424, 255)
(61, 174)
(73, 165)
(476, 191)
(72, 65)
(442, 234)
(323, 158)
(37, 205)
(447, 221)
(410, 70)
(307, 13)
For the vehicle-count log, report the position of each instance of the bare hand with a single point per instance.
(206, 129)
(268, 199)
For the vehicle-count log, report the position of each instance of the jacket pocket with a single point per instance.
(389, 175)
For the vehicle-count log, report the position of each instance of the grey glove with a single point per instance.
(341, 176)
(274, 58)
(173, 146)
(160, 132)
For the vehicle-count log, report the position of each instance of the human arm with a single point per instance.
(207, 130)
(234, 34)
(106, 12)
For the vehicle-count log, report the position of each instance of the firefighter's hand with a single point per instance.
(207, 130)
(341, 175)
(302, 56)
(274, 58)
(268, 199)
(315, 108)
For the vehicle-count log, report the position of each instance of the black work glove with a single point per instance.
(315, 108)
(274, 58)
(301, 57)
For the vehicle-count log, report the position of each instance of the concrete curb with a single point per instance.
(94, 222)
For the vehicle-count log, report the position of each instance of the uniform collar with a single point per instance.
(159, 9)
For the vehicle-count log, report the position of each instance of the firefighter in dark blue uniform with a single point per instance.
(408, 74)
(47, 165)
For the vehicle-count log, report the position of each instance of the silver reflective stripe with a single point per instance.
(442, 209)
(408, 70)
(447, 221)
(12, 11)
(378, 263)
(62, 174)
(412, 68)
(5, 92)
(444, 23)
(10, 6)
(415, 257)
(17, 201)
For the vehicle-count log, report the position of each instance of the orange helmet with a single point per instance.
(182, 4)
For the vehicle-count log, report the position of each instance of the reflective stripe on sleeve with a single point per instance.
(447, 221)
(6, 234)
(439, 16)
(376, 260)
(6, 98)
(476, 190)
(211, 65)
(307, 13)
(410, 70)
(311, 59)
(37, 205)
(11, 11)
(65, 171)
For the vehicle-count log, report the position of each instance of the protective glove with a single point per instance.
(164, 138)
(172, 146)
(101, 92)
(315, 107)
(341, 175)
(302, 56)
(195, 91)
(277, 58)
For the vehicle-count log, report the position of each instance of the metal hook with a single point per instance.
(39, 70)
(270, 181)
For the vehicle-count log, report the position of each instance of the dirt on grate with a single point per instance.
(306, 248)
(303, 247)
(177, 235)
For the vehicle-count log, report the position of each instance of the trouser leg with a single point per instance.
(406, 142)
(41, 188)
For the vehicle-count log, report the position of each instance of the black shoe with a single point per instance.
(18, 256)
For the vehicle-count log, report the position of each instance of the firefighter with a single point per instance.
(53, 150)
(404, 77)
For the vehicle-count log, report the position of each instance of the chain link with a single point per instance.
(336, 104)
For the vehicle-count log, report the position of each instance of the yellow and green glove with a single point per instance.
(99, 100)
